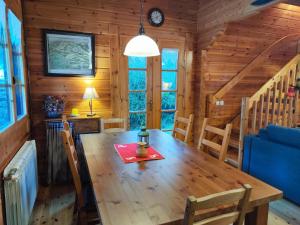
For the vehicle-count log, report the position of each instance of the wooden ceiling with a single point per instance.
(217, 12)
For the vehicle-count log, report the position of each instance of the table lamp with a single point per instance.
(90, 93)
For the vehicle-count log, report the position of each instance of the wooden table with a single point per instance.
(155, 192)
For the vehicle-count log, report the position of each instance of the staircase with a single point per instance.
(270, 104)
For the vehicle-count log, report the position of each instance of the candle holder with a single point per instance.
(143, 136)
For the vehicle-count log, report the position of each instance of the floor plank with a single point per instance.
(55, 206)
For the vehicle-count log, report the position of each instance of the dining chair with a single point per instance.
(233, 202)
(112, 121)
(224, 133)
(74, 165)
(182, 126)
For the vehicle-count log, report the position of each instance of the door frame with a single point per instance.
(154, 71)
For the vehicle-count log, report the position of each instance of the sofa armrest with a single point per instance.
(247, 153)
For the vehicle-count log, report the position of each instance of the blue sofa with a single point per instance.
(273, 156)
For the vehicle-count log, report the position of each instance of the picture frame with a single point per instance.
(69, 54)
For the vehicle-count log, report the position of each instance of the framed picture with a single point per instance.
(69, 53)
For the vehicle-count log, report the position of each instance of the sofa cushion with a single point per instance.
(284, 135)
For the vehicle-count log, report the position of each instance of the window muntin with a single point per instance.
(137, 92)
(6, 100)
(169, 74)
(15, 35)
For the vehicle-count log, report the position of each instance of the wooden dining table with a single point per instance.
(155, 192)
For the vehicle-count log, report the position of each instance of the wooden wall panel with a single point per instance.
(109, 20)
(233, 47)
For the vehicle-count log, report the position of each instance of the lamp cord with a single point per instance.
(142, 30)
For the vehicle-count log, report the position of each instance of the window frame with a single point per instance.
(22, 85)
(170, 91)
(10, 70)
(145, 91)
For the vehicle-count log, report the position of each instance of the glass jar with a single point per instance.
(143, 136)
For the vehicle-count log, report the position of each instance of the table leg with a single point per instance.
(259, 216)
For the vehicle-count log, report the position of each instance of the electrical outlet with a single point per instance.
(220, 102)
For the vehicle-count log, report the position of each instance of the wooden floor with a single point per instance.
(55, 206)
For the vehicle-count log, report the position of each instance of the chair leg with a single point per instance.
(82, 218)
(75, 205)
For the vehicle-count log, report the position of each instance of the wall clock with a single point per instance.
(156, 17)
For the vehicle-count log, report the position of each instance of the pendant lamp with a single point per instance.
(141, 45)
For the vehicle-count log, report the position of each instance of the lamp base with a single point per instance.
(91, 114)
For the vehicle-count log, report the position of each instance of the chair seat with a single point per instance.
(114, 130)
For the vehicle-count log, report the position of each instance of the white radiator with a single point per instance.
(21, 185)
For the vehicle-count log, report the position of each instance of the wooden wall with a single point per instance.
(234, 45)
(111, 22)
(212, 19)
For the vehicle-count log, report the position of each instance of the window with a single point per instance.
(137, 92)
(169, 70)
(15, 34)
(6, 101)
(11, 69)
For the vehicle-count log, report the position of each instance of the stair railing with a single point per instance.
(271, 104)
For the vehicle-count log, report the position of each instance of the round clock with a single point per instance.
(156, 17)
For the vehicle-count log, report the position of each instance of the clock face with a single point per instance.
(156, 17)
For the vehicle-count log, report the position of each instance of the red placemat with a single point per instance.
(127, 152)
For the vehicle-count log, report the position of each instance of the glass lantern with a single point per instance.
(143, 136)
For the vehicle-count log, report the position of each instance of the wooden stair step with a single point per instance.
(235, 131)
(234, 143)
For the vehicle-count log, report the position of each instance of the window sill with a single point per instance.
(21, 117)
(3, 129)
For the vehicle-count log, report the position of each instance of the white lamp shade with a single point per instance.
(90, 93)
(141, 46)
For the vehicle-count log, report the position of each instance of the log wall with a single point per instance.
(111, 22)
(234, 45)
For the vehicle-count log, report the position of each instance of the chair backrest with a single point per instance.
(186, 122)
(236, 199)
(221, 149)
(113, 121)
(73, 161)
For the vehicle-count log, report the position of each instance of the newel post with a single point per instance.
(243, 128)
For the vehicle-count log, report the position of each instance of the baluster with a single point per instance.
(254, 117)
(293, 75)
(286, 87)
(261, 111)
(267, 107)
(279, 101)
(295, 122)
(274, 102)
(290, 113)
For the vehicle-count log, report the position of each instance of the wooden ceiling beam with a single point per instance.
(217, 12)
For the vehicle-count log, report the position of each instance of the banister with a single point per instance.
(275, 79)
(257, 61)
(288, 114)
